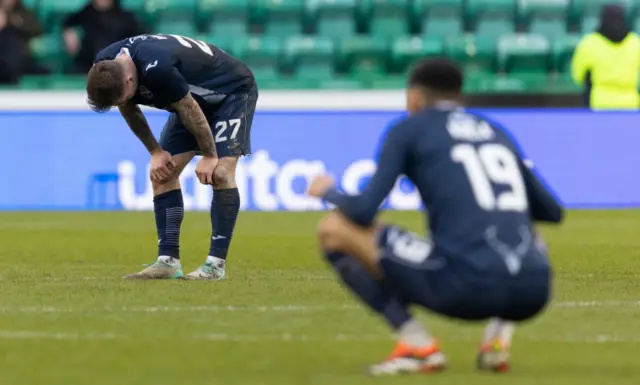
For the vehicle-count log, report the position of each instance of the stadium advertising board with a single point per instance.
(65, 159)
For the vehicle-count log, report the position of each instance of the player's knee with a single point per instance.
(330, 236)
(172, 183)
(224, 174)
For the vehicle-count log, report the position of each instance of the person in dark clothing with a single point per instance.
(18, 25)
(104, 22)
(613, 23)
(10, 44)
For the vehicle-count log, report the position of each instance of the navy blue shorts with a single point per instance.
(450, 287)
(230, 124)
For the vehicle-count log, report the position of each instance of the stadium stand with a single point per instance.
(505, 45)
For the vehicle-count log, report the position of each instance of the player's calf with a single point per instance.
(168, 208)
(416, 351)
(224, 213)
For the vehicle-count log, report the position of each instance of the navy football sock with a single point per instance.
(368, 289)
(169, 211)
(224, 212)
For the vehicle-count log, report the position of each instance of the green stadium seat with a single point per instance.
(589, 24)
(281, 18)
(266, 78)
(224, 17)
(494, 27)
(260, 53)
(473, 53)
(363, 55)
(551, 28)
(31, 4)
(524, 53)
(581, 8)
(136, 6)
(439, 18)
(562, 83)
(389, 83)
(310, 57)
(53, 12)
(289, 83)
(172, 14)
(37, 82)
(563, 49)
(408, 49)
(545, 17)
(333, 18)
(492, 17)
(501, 83)
(341, 84)
(174, 6)
(442, 27)
(387, 18)
(587, 12)
(66, 82)
(223, 42)
(176, 27)
(49, 50)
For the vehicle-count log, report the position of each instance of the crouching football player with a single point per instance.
(483, 261)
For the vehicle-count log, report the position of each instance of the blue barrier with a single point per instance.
(61, 160)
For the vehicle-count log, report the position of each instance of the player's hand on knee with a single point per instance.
(320, 185)
(205, 169)
(162, 166)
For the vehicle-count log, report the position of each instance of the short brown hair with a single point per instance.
(105, 85)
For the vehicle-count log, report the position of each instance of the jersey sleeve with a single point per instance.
(362, 209)
(108, 53)
(544, 206)
(159, 72)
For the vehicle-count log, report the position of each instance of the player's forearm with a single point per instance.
(353, 207)
(545, 207)
(196, 122)
(139, 126)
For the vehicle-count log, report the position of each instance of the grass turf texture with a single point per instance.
(66, 317)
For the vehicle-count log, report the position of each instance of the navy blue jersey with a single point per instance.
(479, 196)
(170, 66)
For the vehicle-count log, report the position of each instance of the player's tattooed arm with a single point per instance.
(139, 125)
(194, 119)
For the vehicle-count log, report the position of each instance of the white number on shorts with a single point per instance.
(222, 126)
(411, 248)
(492, 163)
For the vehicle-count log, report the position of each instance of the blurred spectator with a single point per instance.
(18, 25)
(9, 46)
(103, 22)
(607, 63)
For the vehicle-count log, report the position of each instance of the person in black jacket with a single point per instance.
(103, 22)
(10, 43)
(18, 25)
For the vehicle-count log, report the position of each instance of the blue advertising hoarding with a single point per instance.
(82, 160)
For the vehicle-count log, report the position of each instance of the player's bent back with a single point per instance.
(473, 182)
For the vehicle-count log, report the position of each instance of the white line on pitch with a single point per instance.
(274, 308)
(42, 335)
(303, 338)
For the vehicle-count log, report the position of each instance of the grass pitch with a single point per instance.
(280, 318)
